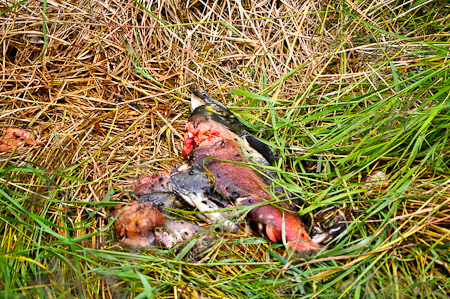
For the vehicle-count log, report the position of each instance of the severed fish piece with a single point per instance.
(13, 138)
(136, 224)
(142, 225)
(208, 108)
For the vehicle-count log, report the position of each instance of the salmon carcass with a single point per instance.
(216, 141)
(223, 165)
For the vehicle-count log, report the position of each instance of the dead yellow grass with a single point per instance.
(108, 89)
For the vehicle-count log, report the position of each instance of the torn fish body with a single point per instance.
(187, 186)
(223, 161)
(214, 140)
(144, 222)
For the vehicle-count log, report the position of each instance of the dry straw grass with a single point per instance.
(84, 93)
(104, 85)
(81, 92)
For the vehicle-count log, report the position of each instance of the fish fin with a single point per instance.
(206, 99)
(196, 100)
(261, 148)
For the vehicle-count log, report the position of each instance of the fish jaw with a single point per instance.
(295, 232)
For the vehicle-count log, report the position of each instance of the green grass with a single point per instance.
(393, 115)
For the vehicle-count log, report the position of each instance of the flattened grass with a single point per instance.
(338, 89)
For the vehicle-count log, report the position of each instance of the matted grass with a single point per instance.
(339, 89)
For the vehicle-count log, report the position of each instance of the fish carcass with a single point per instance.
(217, 141)
(223, 162)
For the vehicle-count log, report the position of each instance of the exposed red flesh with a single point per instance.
(136, 223)
(201, 132)
(13, 138)
(206, 140)
(141, 225)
